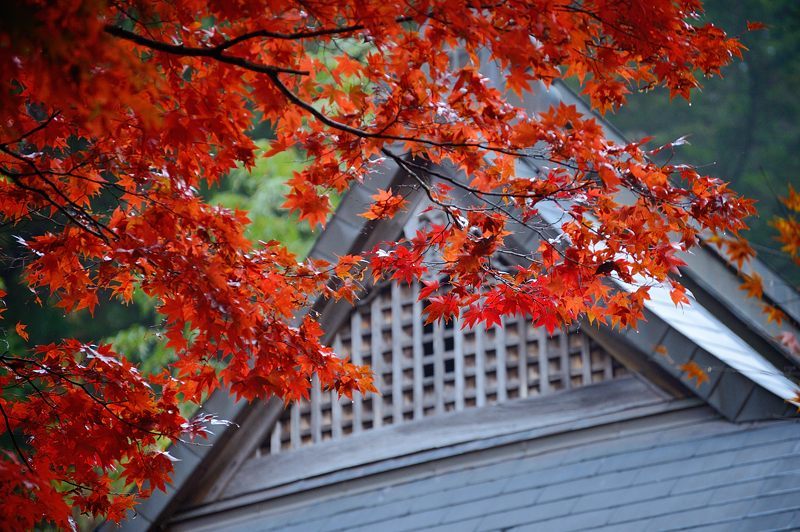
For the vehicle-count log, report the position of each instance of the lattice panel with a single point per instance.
(426, 370)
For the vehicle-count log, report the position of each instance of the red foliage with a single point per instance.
(139, 104)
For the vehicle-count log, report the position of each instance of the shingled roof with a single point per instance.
(648, 465)
(624, 454)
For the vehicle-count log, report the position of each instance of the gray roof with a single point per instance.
(682, 467)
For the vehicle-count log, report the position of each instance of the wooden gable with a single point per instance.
(425, 370)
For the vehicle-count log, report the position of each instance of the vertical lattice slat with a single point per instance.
(355, 348)
(417, 351)
(500, 354)
(522, 359)
(316, 410)
(609, 367)
(438, 366)
(480, 366)
(336, 402)
(458, 364)
(544, 363)
(376, 350)
(275, 439)
(295, 428)
(586, 359)
(563, 353)
(397, 355)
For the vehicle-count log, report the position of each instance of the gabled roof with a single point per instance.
(735, 342)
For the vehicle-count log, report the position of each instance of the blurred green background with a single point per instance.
(745, 127)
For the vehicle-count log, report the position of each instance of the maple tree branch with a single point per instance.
(85, 388)
(87, 488)
(15, 178)
(591, 14)
(33, 131)
(310, 34)
(100, 227)
(425, 186)
(38, 391)
(493, 206)
(14, 439)
(330, 122)
(188, 51)
(478, 192)
(215, 52)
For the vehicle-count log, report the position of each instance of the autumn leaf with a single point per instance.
(694, 371)
(678, 295)
(789, 340)
(443, 307)
(792, 201)
(429, 287)
(753, 285)
(739, 251)
(385, 205)
(309, 204)
(774, 314)
(20, 328)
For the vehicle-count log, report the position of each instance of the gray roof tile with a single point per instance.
(648, 456)
(593, 484)
(689, 518)
(501, 503)
(700, 464)
(704, 480)
(574, 521)
(737, 491)
(662, 506)
(776, 521)
(417, 521)
(784, 500)
(701, 473)
(444, 499)
(553, 475)
(614, 498)
(521, 516)
(460, 526)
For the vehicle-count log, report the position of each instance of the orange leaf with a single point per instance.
(792, 201)
(20, 328)
(753, 285)
(385, 206)
(694, 371)
(678, 294)
(774, 314)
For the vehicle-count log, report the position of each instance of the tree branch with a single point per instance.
(322, 32)
(14, 440)
(188, 51)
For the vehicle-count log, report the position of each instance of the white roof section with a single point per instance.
(697, 324)
(701, 327)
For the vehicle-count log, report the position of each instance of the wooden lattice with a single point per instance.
(426, 370)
